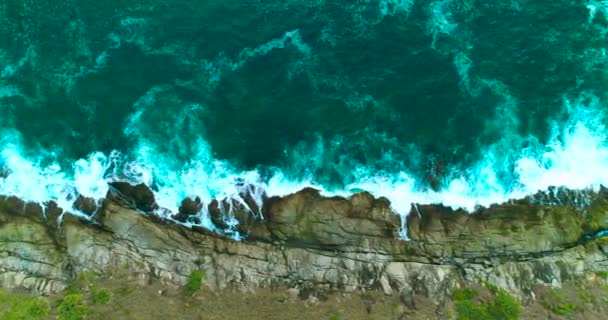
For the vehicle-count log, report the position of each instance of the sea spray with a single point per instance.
(449, 102)
(575, 158)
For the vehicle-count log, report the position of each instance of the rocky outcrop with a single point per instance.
(309, 243)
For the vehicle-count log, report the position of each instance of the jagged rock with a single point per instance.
(86, 205)
(140, 196)
(232, 214)
(308, 219)
(189, 210)
(217, 212)
(501, 231)
(311, 244)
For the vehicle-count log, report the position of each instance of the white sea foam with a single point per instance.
(392, 7)
(595, 6)
(222, 64)
(440, 20)
(576, 156)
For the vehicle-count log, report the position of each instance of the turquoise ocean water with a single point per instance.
(458, 102)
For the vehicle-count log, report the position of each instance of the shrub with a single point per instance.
(37, 308)
(469, 310)
(101, 296)
(464, 294)
(21, 307)
(72, 308)
(195, 281)
(504, 306)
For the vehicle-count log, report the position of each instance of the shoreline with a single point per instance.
(305, 239)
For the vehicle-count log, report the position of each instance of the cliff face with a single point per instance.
(309, 243)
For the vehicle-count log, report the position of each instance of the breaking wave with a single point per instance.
(576, 157)
(357, 99)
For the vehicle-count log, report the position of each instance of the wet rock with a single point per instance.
(53, 212)
(86, 205)
(312, 244)
(140, 196)
(232, 214)
(217, 213)
(13, 205)
(188, 210)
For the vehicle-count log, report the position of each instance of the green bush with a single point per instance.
(37, 308)
(195, 280)
(22, 307)
(101, 296)
(564, 309)
(72, 308)
(464, 294)
(504, 306)
(469, 310)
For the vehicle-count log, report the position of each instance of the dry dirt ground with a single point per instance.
(132, 300)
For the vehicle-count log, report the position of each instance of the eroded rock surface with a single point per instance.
(309, 242)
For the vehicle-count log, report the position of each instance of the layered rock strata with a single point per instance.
(310, 243)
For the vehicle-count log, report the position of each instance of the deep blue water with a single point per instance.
(457, 102)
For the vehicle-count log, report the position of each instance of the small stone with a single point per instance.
(293, 293)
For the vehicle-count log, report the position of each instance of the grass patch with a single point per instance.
(556, 301)
(504, 306)
(335, 316)
(83, 281)
(195, 280)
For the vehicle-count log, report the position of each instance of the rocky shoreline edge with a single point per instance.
(311, 244)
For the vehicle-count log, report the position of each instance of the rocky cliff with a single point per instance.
(311, 243)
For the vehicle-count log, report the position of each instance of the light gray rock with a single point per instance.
(310, 244)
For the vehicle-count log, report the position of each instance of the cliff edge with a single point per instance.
(307, 242)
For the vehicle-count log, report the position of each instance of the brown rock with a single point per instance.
(86, 205)
(140, 196)
(188, 210)
(310, 242)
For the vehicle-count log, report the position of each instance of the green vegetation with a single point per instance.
(72, 308)
(469, 310)
(464, 294)
(556, 301)
(584, 295)
(335, 316)
(195, 280)
(603, 274)
(82, 283)
(101, 296)
(22, 307)
(468, 307)
(505, 307)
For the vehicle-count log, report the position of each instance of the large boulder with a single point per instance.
(308, 219)
(136, 196)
